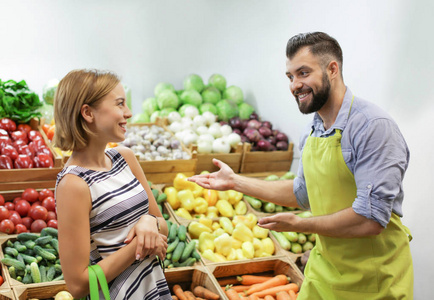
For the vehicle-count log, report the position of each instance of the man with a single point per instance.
(350, 176)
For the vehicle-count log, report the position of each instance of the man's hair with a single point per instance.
(77, 88)
(320, 44)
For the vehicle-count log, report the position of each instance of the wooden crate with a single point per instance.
(188, 279)
(227, 272)
(7, 294)
(17, 179)
(38, 291)
(260, 161)
(233, 159)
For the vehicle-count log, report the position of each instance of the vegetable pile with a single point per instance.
(18, 102)
(33, 258)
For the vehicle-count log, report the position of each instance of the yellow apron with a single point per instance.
(374, 267)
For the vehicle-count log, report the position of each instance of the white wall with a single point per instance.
(387, 59)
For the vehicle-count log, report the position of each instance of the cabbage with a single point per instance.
(208, 107)
(167, 98)
(218, 81)
(211, 95)
(149, 105)
(191, 97)
(193, 82)
(181, 110)
(163, 86)
(226, 109)
(140, 118)
(234, 93)
(47, 112)
(128, 95)
(49, 90)
(245, 110)
(166, 111)
(154, 116)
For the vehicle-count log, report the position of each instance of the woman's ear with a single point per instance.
(86, 113)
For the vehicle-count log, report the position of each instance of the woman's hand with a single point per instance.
(220, 180)
(149, 240)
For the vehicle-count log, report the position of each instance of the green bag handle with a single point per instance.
(96, 274)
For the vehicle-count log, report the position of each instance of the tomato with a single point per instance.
(50, 132)
(34, 134)
(19, 135)
(30, 195)
(15, 218)
(16, 199)
(22, 207)
(36, 203)
(37, 226)
(20, 228)
(44, 193)
(38, 212)
(45, 127)
(51, 215)
(44, 149)
(42, 160)
(10, 151)
(27, 221)
(25, 149)
(6, 162)
(7, 226)
(4, 133)
(4, 213)
(25, 128)
(4, 140)
(49, 203)
(2, 200)
(8, 125)
(52, 223)
(18, 143)
(23, 161)
(9, 205)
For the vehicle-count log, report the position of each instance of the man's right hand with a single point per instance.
(220, 180)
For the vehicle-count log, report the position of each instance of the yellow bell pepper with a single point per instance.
(187, 199)
(206, 242)
(210, 255)
(240, 254)
(215, 226)
(220, 257)
(240, 208)
(218, 232)
(222, 195)
(183, 213)
(239, 219)
(232, 255)
(172, 197)
(211, 196)
(200, 205)
(259, 232)
(258, 246)
(252, 220)
(197, 190)
(225, 208)
(226, 224)
(236, 244)
(212, 212)
(268, 245)
(223, 244)
(248, 250)
(206, 221)
(180, 182)
(196, 228)
(234, 197)
(242, 233)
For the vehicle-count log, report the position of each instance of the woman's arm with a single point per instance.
(73, 204)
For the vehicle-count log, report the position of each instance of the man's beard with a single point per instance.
(318, 99)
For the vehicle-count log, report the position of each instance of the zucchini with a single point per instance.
(172, 232)
(178, 252)
(43, 240)
(11, 251)
(49, 231)
(34, 272)
(44, 253)
(20, 247)
(284, 243)
(172, 245)
(182, 232)
(25, 236)
(188, 250)
(12, 262)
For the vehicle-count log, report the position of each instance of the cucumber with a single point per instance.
(20, 247)
(34, 272)
(9, 243)
(51, 272)
(55, 244)
(12, 272)
(60, 277)
(169, 256)
(29, 244)
(166, 263)
(255, 203)
(178, 252)
(20, 258)
(12, 262)
(49, 231)
(284, 243)
(58, 269)
(172, 245)
(11, 251)
(189, 262)
(43, 240)
(188, 250)
(43, 272)
(27, 279)
(161, 198)
(182, 232)
(25, 236)
(172, 232)
(52, 251)
(8, 256)
(195, 254)
(160, 208)
(28, 259)
(44, 253)
(166, 216)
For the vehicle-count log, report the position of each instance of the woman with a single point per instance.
(106, 211)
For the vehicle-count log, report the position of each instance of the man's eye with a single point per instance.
(302, 73)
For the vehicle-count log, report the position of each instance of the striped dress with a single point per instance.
(118, 202)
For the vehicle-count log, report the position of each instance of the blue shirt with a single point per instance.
(375, 152)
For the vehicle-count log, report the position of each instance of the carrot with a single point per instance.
(189, 295)
(292, 294)
(283, 295)
(174, 297)
(232, 294)
(271, 282)
(269, 297)
(227, 280)
(177, 289)
(274, 290)
(253, 297)
(241, 288)
(203, 292)
(252, 279)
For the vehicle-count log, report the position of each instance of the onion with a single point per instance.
(226, 129)
(265, 131)
(282, 137)
(215, 130)
(204, 146)
(233, 139)
(282, 145)
(175, 126)
(173, 116)
(199, 121)
(210, 118)
(206, 137)
(201, 130)
(221, 146)
(191, 112)
(254, 124)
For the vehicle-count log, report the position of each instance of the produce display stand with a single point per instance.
(38, 291)
(260, 161)
(232, 159)
(7, 294)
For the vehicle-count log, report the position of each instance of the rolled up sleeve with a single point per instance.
(300, 189)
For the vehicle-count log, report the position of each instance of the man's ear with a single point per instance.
(86, 113)
(333, 69)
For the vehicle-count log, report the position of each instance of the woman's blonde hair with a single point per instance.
(77, 88)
